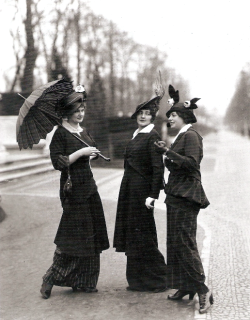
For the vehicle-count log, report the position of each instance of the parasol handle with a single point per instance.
(102, 156)
(86, 144)
(21, 95)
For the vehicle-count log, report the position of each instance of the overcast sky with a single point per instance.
(207, 41)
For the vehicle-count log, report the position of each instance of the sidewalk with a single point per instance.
(227, 220)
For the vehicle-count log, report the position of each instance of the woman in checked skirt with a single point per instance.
(82, 233)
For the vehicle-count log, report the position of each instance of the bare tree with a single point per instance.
(111, 61)
(238, 112)
(30, 56)
(19, 60)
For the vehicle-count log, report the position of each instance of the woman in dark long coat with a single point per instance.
(135, 231)
(185, 198)
(82, 234)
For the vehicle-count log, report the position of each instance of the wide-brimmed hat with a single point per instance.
(186, 107)
(67, 105)
(154, 103)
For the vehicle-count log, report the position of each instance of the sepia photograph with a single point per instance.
(124, 160)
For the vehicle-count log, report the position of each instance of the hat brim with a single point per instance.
(143, 106)
(75, 96)
(190, 113)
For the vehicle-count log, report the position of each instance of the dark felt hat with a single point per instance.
(186, 107)
(67, 105)
(179, 107)
(152, 104)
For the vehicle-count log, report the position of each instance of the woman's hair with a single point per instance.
(186, 117)
(72, 108)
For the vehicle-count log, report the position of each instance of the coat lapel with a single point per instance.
(177, 140)
(134, 142)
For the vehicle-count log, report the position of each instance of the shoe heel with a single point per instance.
(191, 295)
(211, 299)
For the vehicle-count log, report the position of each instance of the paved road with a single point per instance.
(227, 221)
(33, 212)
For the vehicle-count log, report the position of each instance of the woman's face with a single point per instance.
(144, 118)
(78, 115)
(175, 121)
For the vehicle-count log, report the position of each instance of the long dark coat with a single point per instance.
(135, 231)
(183, 161)
(82, 230)
(185, 197)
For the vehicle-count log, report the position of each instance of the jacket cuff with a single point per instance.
(174, 157)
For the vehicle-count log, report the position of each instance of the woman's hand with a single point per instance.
(160, 146)
(83, 152)
(149, 203)
(88, 151)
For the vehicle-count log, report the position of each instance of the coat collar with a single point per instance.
(147, 129)
(183, 129)
(67, 126)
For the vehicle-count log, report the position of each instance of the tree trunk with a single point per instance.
(78, 44)
(30, 54)
(111, 76)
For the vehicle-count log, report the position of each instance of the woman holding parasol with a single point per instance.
(82, 233)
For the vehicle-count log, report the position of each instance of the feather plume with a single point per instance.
(159, 88)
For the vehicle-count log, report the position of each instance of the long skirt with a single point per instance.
(73, 271)
(184, 266)
(135, 234)
(82, 230)
(147, 273)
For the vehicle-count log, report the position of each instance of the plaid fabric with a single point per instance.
(38, 116)
(71, 271)
(184, 266)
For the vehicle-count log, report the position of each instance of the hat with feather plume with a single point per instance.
(154, 103)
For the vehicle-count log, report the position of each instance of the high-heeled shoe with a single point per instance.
(179, 294)
(46, 290)
(205, 301)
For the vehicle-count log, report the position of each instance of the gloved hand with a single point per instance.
(149, 203)
(160, 146)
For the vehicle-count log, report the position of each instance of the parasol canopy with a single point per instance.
(37, 116)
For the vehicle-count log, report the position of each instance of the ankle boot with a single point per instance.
(180, 294)
(205, 301)
(46, 290)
